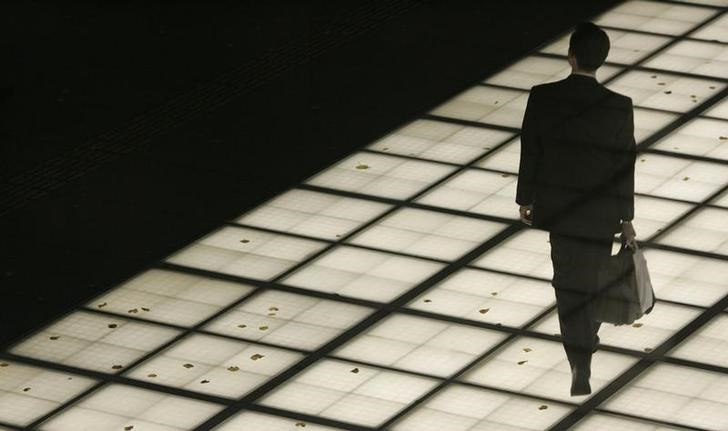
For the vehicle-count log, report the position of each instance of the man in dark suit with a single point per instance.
(576, 181)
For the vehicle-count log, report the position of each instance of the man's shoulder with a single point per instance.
(619, 97)
(557, 88)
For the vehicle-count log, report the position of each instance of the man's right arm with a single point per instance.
(626, 158)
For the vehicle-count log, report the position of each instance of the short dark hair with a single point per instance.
(590, 45)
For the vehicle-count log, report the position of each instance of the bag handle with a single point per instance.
(631, 243)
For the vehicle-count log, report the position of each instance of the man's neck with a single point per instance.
(581, 72)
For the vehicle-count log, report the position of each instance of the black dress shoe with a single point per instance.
(580, 380)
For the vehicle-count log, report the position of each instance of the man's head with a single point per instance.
(588, 47)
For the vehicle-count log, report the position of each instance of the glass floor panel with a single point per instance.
(397, 289)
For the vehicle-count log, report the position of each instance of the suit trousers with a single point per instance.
(576, 262)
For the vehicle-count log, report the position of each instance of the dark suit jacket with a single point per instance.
(577, 158)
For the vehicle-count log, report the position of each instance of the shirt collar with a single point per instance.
(585, 74)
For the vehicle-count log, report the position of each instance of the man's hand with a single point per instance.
(628, 232)
(526, 214)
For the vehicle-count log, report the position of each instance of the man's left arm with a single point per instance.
(530, 154)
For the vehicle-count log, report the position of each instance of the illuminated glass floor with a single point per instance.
(398, 290)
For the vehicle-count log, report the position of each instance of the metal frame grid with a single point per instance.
(381, 310)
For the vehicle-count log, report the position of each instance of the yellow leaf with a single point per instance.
(637, 325)
(263, 328)
(151, 375)
(362, 166)
(527, 349)
(686, 178)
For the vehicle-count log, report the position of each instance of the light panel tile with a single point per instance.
(246, 252)
(296, 321)
(664, 90)
(215, 365)
(721, 200)
(719, 110)
(314, 214)
(528, 252)
(709, 344)
(365, 274)
(419, 344)
(647, 122)
(462, 408)
(490, 105)
(604, 422)
(427, 233)
(95, 342)
(677, 394)
(716, 30)
(678, 178)
(116, 407)
(479, 192)
(28, 393)
(685, 278)
(700, 136)
(437, 140)
(380, 175)
(700, 58)
(534, 70)
(538, 367)
(624, 47)
(656, 17)
(485, 296)
(170, 297)
(645, 334)
(652, 215)
(249, 420)
(348, 392)
(705, 230)
(506, 158)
